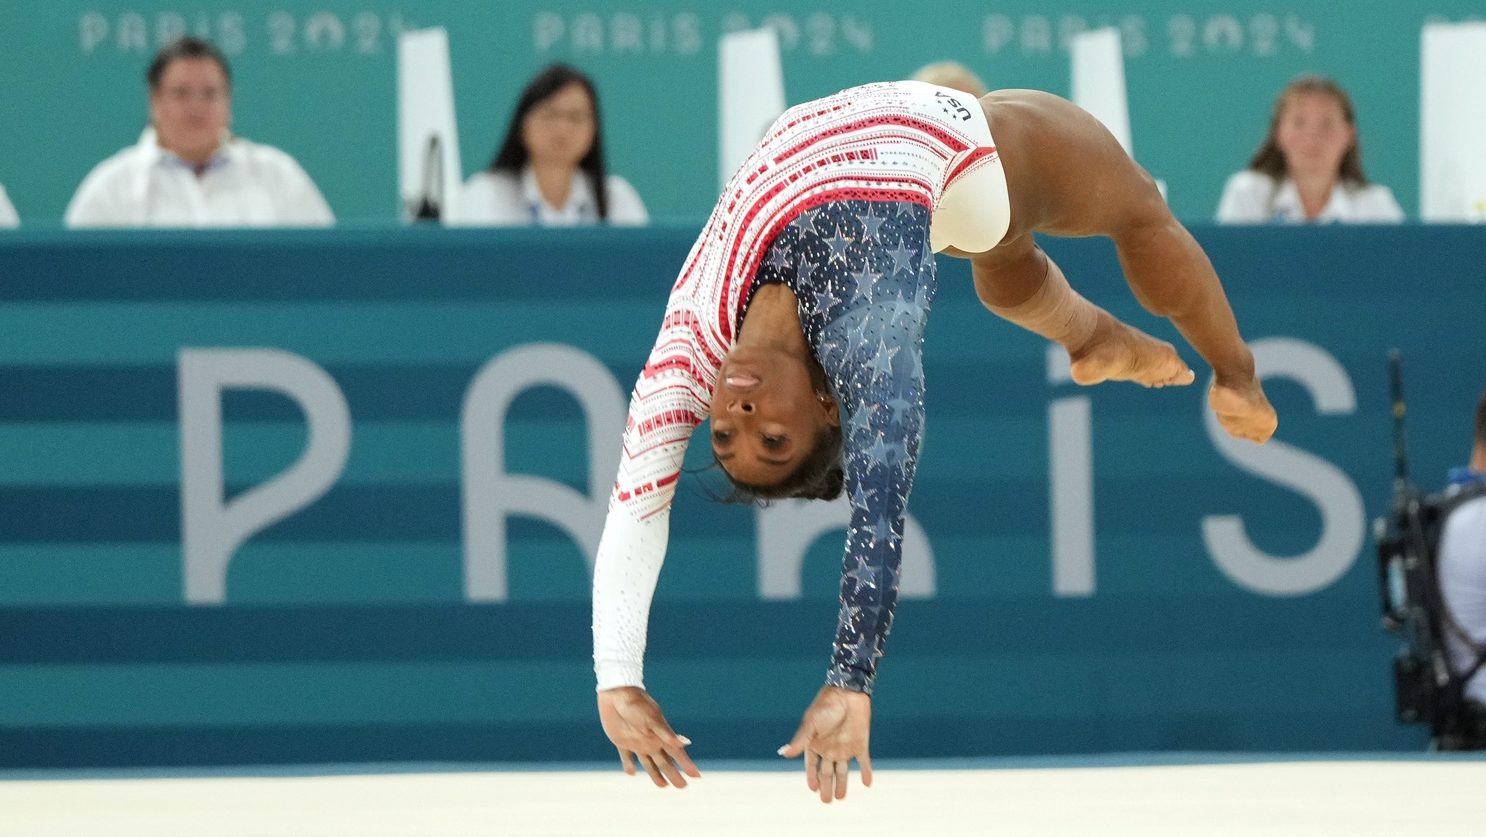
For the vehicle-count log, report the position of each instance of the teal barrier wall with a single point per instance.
(354, 629)
(319, 81)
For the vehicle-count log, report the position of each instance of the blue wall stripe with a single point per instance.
(560, 630)
(238, 744)
(39, 454)
(133, 514)
(149, 392)
(544, 567)
(353, 265)
(418, 391)
(433, 691)
(718, 736)
(76, 333)
(369, 264)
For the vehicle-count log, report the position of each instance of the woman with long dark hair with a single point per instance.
(550, 169)
(1309, 167)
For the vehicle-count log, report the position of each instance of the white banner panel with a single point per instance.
(427, 142)
(1099, 80)
(1452, 122)
(750, 94)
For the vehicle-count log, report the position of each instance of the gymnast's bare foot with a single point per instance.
(1242, 409)
(1118, 352)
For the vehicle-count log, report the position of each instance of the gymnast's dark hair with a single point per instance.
(187, 47)
(513, 154)
(819, 477)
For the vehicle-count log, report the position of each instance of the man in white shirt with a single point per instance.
(188, 170)
(1462, 564)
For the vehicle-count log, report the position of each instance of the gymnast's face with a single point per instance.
(768, 411)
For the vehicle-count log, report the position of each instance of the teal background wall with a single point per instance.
(346, 634)
(318, 80)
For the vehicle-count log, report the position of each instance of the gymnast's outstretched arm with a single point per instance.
(668, 402)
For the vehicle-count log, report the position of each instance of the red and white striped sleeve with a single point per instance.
(670, 398)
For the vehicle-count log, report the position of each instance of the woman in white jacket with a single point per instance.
(550, 169)
(1309, 167)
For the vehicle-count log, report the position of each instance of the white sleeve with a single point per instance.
(1379, 206)
(1246, 199)
(625, 573)
(8, 217)
(300, 202)
(101, 199)
(669, 400)
(491, 199)
(625, 207)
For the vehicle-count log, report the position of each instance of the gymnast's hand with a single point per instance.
(834, 731)
(1242, 409)
(633, 721)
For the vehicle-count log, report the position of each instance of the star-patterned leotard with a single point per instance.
(864, 277)
(836, 203)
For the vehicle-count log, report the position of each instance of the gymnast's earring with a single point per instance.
(833, 414)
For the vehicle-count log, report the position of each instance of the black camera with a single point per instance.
(1408, 540)
(1427, 689)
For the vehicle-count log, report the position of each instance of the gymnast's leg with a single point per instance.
(1021, 284)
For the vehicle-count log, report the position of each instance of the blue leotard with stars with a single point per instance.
(863, 273)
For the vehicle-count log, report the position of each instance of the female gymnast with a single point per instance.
(796, 326)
